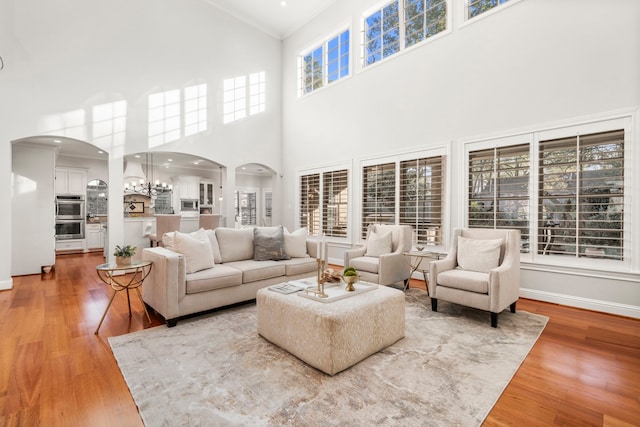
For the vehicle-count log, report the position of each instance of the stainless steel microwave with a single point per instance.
(188, 205)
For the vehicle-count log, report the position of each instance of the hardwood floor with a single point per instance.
(584, 370)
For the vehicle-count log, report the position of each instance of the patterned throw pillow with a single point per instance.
(269, 244)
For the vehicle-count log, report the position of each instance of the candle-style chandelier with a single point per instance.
(136, 182)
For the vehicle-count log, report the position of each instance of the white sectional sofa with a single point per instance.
(208, 269)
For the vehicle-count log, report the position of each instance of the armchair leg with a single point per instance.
(494, 320)
(513, 307)
(434, 304)
(172, 322)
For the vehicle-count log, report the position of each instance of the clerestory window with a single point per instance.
(324, 64)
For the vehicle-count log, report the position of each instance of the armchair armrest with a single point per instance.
(165, 286)
(437, 267)
(353, 253)
(393, 268)
(504, 282)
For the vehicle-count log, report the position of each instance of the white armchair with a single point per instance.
(380, 260)
(482, 270)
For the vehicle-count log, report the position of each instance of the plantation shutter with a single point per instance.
(581, 196)
(499, 189)
(378, 195)
(421, 198)
(310, 202)
(335, 196)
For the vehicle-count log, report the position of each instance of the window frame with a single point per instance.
(402, 21)
(324, 45)
(443, 151)
(321, 215)
(583, 127)
(463, 14)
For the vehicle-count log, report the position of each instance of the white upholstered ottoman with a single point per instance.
(332, 336)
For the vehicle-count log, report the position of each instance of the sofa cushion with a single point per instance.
(196, 249)
(378, 244)
(235, 244)
(268, 244)
(296, 266)
(465, 280)
(211, 234)
(365, 263)
(219, 277)
(295, 243)
(253, 271)
(478, 254)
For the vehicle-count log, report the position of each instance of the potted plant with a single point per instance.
(123, 254)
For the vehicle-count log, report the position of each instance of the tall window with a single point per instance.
(581, 196)
(257, 92)
(401, 24)
(335, 197)
(477, 7)
(164, 117)
(378, 195)
(324, 64)
(421, 198)
(310, 202)
(234, 99)
(423, 19)
(499, 189)
(195, 109)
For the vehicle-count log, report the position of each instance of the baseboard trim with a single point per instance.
(5, 285)
(580, 302)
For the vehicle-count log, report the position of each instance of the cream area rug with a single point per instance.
(215, 370)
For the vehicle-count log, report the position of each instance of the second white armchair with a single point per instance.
(380, 260)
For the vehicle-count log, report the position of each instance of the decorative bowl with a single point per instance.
(350, 281)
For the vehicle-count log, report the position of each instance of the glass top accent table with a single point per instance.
(419, 261)
(124, 278)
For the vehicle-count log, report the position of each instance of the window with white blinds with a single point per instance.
(581, 196)
(421, 195)
(499, 189)
(378, 195)
(335, 197)
(310, 202)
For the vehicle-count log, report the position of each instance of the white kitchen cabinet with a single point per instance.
(188, 187)
(71, 181)
(95, 236)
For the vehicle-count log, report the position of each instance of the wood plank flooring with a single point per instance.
(584, 370)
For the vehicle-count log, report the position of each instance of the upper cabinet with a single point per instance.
(188, 187)
(71, 180)
(206, 194)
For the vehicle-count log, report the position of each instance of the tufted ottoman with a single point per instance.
(336, 335)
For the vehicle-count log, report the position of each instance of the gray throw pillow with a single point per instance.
(269, 244)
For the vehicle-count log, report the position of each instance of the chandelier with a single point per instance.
(136, 182)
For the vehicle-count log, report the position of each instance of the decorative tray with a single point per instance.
(334, 291)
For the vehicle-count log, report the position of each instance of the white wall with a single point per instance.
(531, 64)
(63, 58)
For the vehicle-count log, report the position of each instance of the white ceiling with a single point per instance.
(270, 16)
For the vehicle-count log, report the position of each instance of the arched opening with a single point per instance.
(50, 173)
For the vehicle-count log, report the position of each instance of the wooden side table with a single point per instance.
(419, 261)
(134, 275)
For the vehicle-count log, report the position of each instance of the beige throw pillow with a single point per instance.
(211, 234)
(478, 255)
(236, 244)
(196, 249)
(295, 243)
(379, 244)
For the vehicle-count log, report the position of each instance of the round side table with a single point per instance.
(124, 278)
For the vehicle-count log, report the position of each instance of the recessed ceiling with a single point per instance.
(270, 16)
